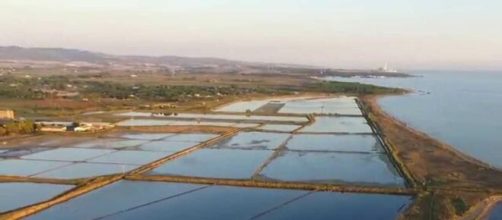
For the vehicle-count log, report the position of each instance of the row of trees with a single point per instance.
(350, 87)
(164, 92)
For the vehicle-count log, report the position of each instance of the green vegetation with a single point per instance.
(350, 87)
(460, 206)
(77, 87)
(17, 127)
(167, 92)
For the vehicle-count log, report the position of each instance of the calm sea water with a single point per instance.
(496, 212)
(463, 109)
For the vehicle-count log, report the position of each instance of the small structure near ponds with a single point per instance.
(63, 126)
(7, 114)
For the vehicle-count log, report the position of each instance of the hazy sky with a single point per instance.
(409, 34)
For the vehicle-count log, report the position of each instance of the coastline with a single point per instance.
(465, 156)
(442, 174)
(399, 135)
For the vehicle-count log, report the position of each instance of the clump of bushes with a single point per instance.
(17, 127)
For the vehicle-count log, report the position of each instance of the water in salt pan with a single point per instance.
(240, 117)
(155, 200)
(243, 106)
(147, 136)
(135, 114)
(203, 117)
(167, 146)
(27, 167)
(279, 127)
(110, 143)
(16, 195)
(200, 123)
(330, 142)
(217, 163)
(143, 122)
(192, 137)
(254, 140)
(114, 198)
(343, 106)
(338, 125)
(130, 157)
(367, 169)
(68, 154)
(215, 202)
(85, 170)
(343, 206)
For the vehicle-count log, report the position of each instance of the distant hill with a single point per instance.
(74, 55)
(50, 54)
(177, 63)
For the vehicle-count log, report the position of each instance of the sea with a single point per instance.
(460, 108)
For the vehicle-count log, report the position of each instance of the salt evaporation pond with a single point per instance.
(129, 157)
(325, 124)
(339, 106)
(192, 137)
(345, 206)
(143, 122)
(153, 200)
(279, 127)
(252, 105)
(16, 167)
(329, 142)
(113, 198)
(148, 136)
(167, 146)
(68, 154)
(254, 141)
(109, 143)
(367, 169)
(16, 194)
(217, 163)
(193, 116)
(157, 122)
(242, 106)
(86, 170)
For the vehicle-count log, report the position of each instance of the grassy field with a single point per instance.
(37, 96)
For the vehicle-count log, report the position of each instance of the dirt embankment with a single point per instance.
(432, 163)
(452, 185)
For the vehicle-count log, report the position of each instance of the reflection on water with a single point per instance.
(324, 142)
(279, 127)
(84, 170)
(254, 140)
(152, 200)
(339, 125)
(372, 169)
(217, 163)
(17, 195)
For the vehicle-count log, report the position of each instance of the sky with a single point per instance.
(411, 34)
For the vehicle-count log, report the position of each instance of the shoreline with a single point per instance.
(437, 169)
(398, 134)
(483, 209)
(440, 143)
